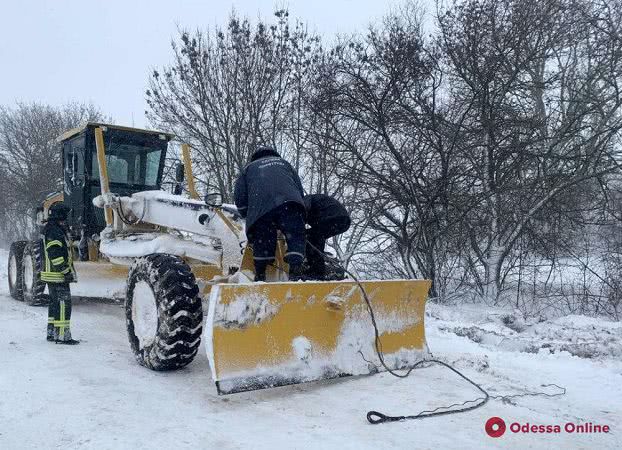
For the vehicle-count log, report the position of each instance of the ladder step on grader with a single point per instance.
(179, 256)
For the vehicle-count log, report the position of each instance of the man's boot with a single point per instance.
(50, 333)
(297, 273)
(260, 269)
(64, 337)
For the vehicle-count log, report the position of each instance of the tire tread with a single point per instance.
(180, 313)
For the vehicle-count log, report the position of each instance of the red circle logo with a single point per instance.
(495, 427)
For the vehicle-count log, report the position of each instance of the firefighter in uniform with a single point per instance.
(58, 272)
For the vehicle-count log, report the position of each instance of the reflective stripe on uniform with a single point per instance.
(49, 275)
(58, 261)
(53, 243)
(62, 323)
(52, 277)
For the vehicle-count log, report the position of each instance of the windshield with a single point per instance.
(130, 164)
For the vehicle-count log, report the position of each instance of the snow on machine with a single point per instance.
(175, 253)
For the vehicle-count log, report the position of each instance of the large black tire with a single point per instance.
(15, 271)
(32, 286)
(163, 312)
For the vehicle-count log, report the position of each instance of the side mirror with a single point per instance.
(179, 173)
(213, 199)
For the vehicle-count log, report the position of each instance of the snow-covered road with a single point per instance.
(95, 396)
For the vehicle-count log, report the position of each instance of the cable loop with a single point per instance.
(375, 417)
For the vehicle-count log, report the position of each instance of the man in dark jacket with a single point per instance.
(268, 194)
(327, 217)
(58, 272)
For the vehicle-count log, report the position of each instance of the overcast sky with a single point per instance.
(57, 51)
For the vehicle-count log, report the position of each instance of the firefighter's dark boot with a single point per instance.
(62, 330)
(50, 333)
(64, 337)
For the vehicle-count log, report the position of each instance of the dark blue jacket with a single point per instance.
(323, 210)
(266, 183)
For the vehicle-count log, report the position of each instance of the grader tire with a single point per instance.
(163, 312)
(15, 271)
(32, 286)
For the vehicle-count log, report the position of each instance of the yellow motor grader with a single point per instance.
(179, 255)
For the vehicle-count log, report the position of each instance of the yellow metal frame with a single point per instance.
(103, 170)
(319, 312)
(322, 321)
(74, 131)
(185, 154)
(274, 271)
(93, 249)
(104, 269)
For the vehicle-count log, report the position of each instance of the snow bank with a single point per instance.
(108, 401)
(581, 336)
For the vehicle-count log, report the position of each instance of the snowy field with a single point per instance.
(95, 396)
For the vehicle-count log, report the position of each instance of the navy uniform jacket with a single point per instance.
(326, 213)
(264, 185)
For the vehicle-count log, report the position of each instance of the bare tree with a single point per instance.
(30, 157)
(231, 89)
(479, 158)
(539, 85)
(387, 129)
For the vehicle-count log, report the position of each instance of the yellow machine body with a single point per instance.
(262, 335)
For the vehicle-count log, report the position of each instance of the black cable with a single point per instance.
(533, 394)
(124, 218)
(375, 417)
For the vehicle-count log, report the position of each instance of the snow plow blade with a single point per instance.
(264, 335)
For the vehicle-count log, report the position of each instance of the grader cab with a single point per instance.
(178, 257)
(135, 161)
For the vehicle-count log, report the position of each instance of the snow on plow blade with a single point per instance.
(265, 335)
